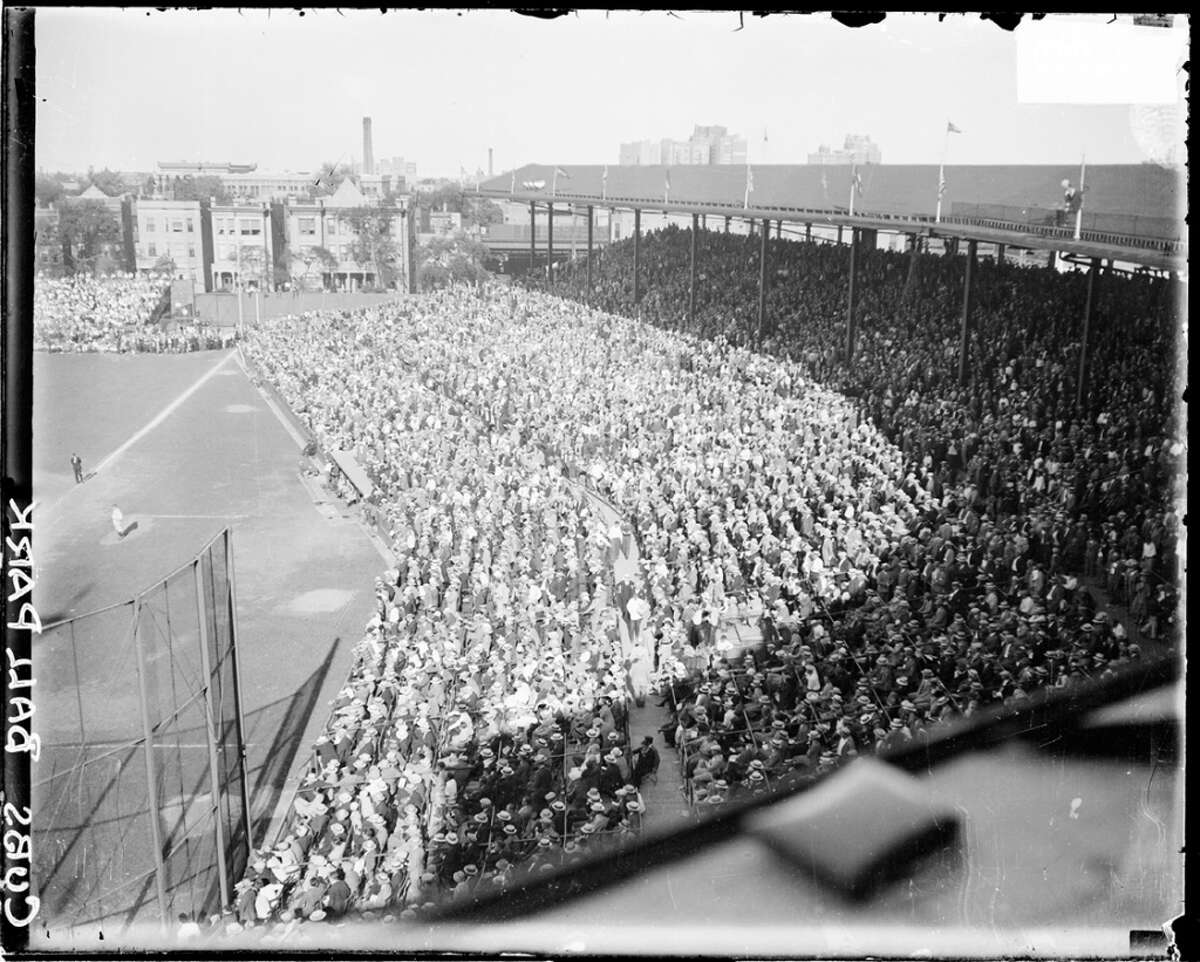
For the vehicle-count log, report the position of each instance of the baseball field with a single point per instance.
(184, 446)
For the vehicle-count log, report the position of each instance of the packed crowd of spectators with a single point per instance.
(910, 549)
(1040, 501)
(1099, 482)
(482, 734)
(82, 313)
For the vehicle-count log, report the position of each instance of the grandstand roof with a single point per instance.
(1126, 205)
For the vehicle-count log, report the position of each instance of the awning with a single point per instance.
(354, 474)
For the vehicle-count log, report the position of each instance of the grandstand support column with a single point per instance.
(532, 235)
(160, 873)
(691, 317)
(762, 281)
(727, 218)
(589, 256)
(965, 332)
(779, 229)
(999, 253)
(1051, 259)
(550, 244)
(210, 734)
(1081, 389)
(808, 232)
(850, 294)
(913, 250)
(637, 256)
(840, 235)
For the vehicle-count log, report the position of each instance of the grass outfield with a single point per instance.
(304, 572)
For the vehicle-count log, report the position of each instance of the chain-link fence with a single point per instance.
(141, 810)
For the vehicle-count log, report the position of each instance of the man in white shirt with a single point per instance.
(118, 521)
(638, 609)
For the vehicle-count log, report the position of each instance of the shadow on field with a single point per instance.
(287, 727)
(94, 853)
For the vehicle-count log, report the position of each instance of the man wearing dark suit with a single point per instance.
(645, 761)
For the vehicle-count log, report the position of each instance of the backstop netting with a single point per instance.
(140, 798)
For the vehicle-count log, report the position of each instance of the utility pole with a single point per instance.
(238, 248)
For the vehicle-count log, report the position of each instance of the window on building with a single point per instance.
(331, 227)
(191, 250)
(308, 226)
(191, 226)
(149, 225)
(250, 228)
(176, 227)
(151, 250)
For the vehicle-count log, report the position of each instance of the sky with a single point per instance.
(126, 88)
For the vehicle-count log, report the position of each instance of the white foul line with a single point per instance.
(162, 415)
(230, 517)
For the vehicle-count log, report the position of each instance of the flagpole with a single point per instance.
(853, 183)
(1079, 206)
(937, 217)
(554, 183)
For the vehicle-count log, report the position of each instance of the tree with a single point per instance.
(453, 259)
(373, 243)
(329, 178)
(447, 197)
(202, 188)
(165, 265)
(481, 211)
(312, 257)
(109, 181)
(86, 228)
(47, 190)
(252, 264)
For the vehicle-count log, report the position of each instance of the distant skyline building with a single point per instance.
(707, 146)
(397, 167)
(857, 149)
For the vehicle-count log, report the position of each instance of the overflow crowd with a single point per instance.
(911, 550)
(82, 313)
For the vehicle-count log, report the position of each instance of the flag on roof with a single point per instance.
(951, 129)
(559, 172)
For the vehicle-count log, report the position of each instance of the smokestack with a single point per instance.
(368, 151)
(490, 174)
